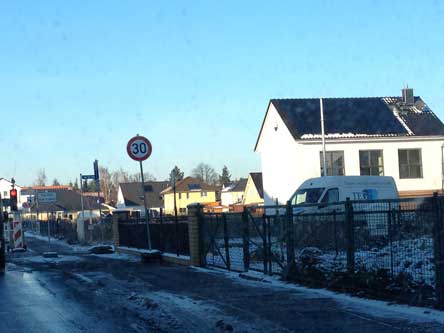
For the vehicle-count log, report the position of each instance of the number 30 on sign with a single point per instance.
(139, 148)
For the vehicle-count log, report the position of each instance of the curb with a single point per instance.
(166, 257)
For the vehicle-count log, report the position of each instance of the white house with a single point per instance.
(254, 192)
(5, 187)
(233, 194)
(393, 136)
(130, 196)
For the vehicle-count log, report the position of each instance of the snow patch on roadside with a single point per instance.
(374, 308)
(118, 256)
(43, 260)
(135, 250)
(75, 248)
(172, 255)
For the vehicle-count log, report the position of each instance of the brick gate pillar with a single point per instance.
(116, 230)
(194, 224)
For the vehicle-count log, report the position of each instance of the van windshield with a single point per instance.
(307, 195)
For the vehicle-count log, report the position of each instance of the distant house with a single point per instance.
(130, 196)
(233, 193)
(392, 136)
(67, 204)
(189, 190)
(254, 192)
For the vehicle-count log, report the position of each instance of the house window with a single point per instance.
(334, 161)
(203, 194)
(410, 163)
(5, 194)
(371, 163)
(182, 210)
(180, 195)
(188, 195)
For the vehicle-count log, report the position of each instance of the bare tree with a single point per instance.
(41, 178)
(117, 177)
(146, 177)
(106, 184)
(76, 185)
(205, 173)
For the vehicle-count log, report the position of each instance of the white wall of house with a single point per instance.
(286, 163)
(230, 198)
(120, 204)
(251, 194)
(5, 187)
(430, 153)
(279, 158)
(120, 199)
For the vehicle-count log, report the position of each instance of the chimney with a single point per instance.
(407, 96)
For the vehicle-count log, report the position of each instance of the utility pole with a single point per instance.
(176, 222)
(81, 198)
(324, 163)
(2, 240)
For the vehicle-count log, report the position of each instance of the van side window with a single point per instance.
(332, 195)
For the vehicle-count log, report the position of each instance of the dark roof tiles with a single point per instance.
(257, 180)
(133, 195)
(363, 116)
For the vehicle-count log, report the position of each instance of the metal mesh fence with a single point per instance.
(396, 237)
(167, 237)
(390, 249)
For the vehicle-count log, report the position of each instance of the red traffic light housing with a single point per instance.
(13, 199)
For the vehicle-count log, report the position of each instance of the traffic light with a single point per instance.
(13, 199)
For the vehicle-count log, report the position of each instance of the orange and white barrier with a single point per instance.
(17, 235)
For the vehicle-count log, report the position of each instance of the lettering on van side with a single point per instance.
(366, 194)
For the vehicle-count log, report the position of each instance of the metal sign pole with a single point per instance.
(49, 232)
(2, 241)
(81, 198)
(97, 180)
(147, 218)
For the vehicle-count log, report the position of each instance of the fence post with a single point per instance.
(161, 238)
(246, 239)
(290, 235)
(226, 241)
(116, 239)
(195, 235)
(350, 236)
(438, 249)
(264, 244)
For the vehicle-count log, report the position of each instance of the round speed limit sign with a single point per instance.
(139, 148)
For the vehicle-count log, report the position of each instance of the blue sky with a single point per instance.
(79, 78)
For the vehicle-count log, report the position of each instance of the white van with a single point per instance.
(323, 192)
(332, 189)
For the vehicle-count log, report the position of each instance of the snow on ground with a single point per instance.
(374, 308)
(173, 255)
(411, 256)
(132, 249)
(76, 248)
(118, 256)
(43, 260)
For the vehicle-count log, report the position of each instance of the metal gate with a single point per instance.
(252, 240)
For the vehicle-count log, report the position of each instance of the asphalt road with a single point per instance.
(86, 293)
